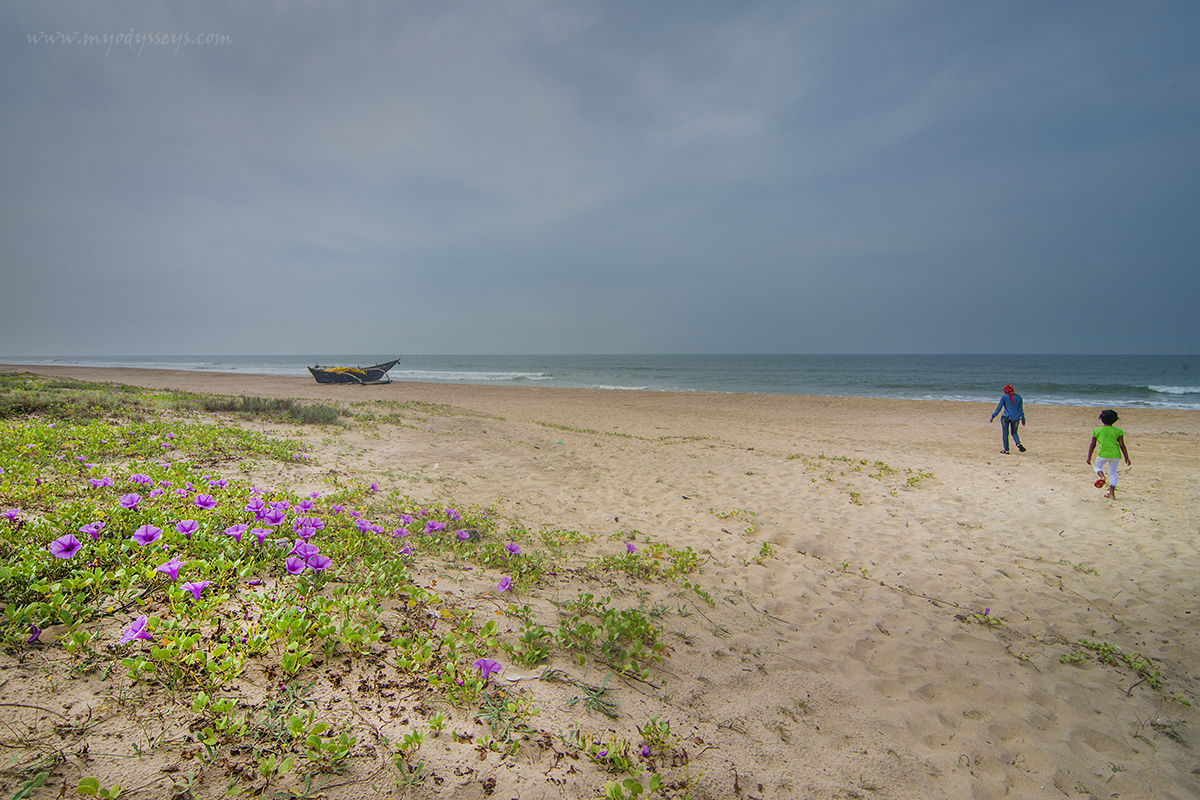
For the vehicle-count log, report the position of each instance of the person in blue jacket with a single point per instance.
(1010, 410)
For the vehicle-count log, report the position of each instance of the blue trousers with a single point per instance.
(1005, 424)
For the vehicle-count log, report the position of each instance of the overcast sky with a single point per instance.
(599, 177)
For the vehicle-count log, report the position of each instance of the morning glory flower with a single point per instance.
(196, 587)
(130, 501)
(306, 505)
(92, 529)
(362, 525)
(431, 526)
(274, 517)
(406, 550)
(146, 534)
(306, 532)
(396, 534)
(205, 501)
(181, 492)
(256, 505)
(261, 534)
(374, 487)
(136, 630)
(463, 535)
(156, 492)
(100, 482)
(142, 479)
(487, 666)
(187, 527)
(513, 548)
(318, 562)
(171, 568)
(236, 531)
(34, 633)
(280, 505)
(405, 519)
(337, 509)
(504, 585)
(294, 565)
(451, 514)
(645, 751)
(64, 546)
(630, 548)
(303, 549)
(12, 514)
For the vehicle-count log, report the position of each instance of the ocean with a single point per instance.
(1097, 381)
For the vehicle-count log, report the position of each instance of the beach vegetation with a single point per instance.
(139, 536)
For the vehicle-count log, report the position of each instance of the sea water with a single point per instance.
(1099, 381)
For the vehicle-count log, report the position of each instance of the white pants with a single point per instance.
(1108, 465)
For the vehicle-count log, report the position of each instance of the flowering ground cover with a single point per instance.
(198, 617)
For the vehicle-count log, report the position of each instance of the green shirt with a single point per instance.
(1106, 436)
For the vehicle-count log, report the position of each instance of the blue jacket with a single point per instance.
(1011, 407)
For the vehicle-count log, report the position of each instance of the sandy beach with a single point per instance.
(895, 603)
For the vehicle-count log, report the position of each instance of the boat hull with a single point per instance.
(355, 375)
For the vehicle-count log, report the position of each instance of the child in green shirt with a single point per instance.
(1112, 446)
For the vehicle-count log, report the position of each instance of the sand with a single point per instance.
(851, 657)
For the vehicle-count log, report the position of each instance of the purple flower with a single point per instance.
(306, 532)
(146, 535)
(256, 505)
(406, 550)
(337, 509)
(144, 480)
(181, 492)
(374, 487)
(156, 492)
(205, 501)
(274, 517)
(513, 549)
(396, 534)
(304, 550)
(236, 531)
(294, 565)
(280, 505)
(451, 514)
(432, 527)
(34, 633)
(318, 562)
(261, 534)
(306, 505)
(645, 751)
(171, 568)
(130, 501)
(362, 525)
(187, 527)
(92, 529)
(405, 519)
(99, 482)
(12, 514)
(462, 535)
(629, 548)
(136, 630)
(64, 546)
(487, 666)
(504, 585)
(196, 587)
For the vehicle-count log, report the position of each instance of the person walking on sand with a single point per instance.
(1010, 410)
(1112, 447)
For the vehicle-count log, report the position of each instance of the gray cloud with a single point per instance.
(552, 177)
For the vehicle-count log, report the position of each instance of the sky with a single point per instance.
(594, 176)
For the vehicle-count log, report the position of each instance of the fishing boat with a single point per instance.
(359, 375)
